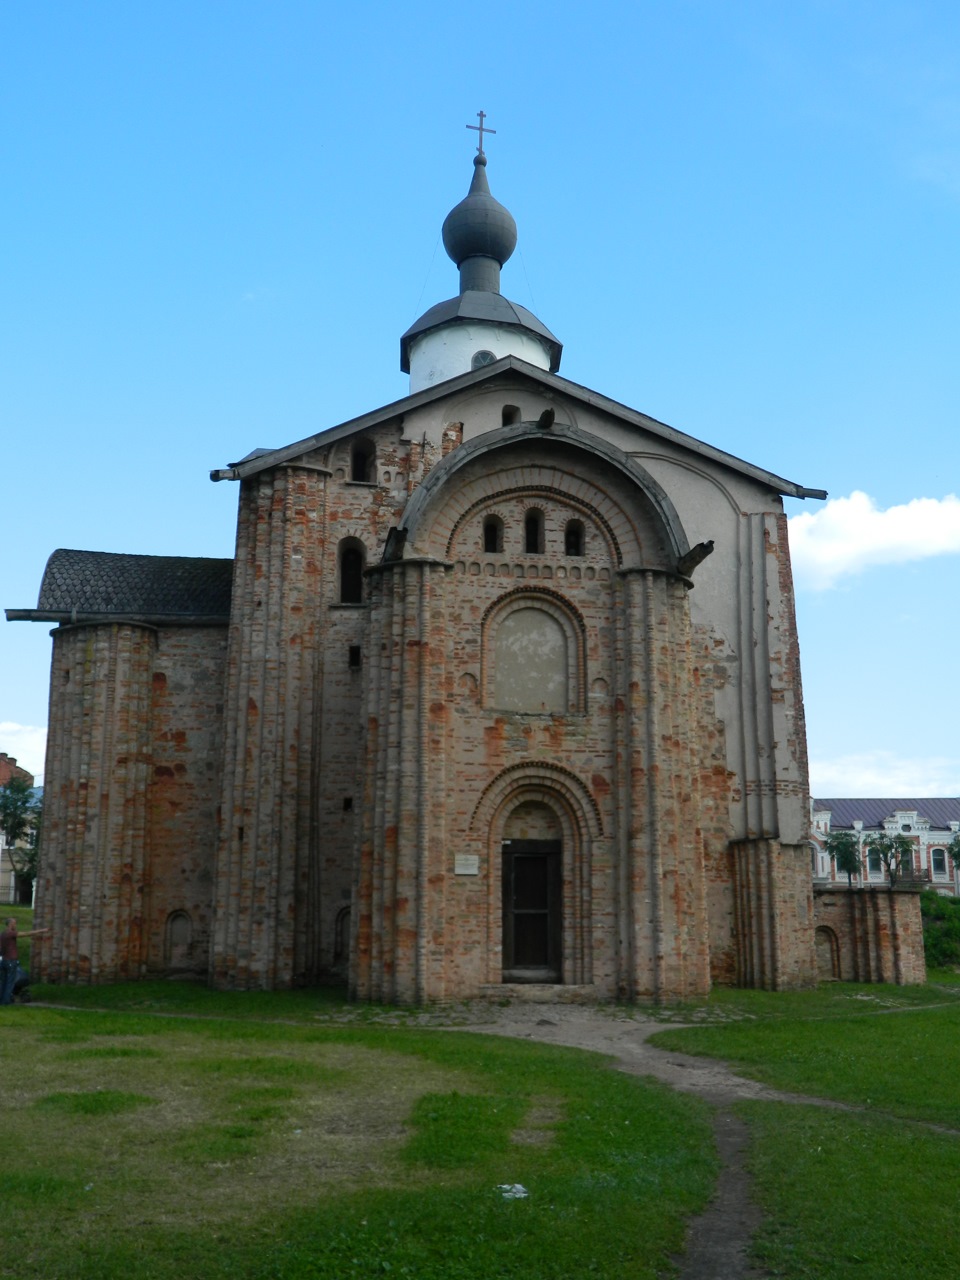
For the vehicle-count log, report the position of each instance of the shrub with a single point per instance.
(941, 929)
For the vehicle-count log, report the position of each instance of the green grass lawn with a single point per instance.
(871, 1194)
(894, 1049)
(853, 1196)
(226, 1144)
(162, 1129)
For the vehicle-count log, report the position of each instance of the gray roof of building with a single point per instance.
(939, 811)
(510, 365)
(477, 304)
(87, 585)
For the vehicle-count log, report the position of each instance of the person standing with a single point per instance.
(9, 961)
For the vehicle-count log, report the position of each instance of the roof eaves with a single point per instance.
(598, 401)
(74, 617)
(397, 409)
(376, 417)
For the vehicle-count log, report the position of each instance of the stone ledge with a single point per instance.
(541, 992)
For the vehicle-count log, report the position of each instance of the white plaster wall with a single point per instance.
(443, 353)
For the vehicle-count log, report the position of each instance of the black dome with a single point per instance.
(479, 226)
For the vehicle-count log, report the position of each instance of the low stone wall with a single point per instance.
(869, 934)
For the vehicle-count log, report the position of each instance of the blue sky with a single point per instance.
(741, 218)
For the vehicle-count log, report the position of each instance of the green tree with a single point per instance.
(844, 848)
(895, 852)
(20, 812)
(953, 848)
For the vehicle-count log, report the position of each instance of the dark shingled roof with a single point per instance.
(939, 811)
(102, 582)
(478, 304)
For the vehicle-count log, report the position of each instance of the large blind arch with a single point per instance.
(518, 676)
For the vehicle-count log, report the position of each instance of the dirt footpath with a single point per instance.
(718, 1240)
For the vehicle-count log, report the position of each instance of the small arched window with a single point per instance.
(510, 414)
(573, 538)
(363, 460)
(351, 571)
(533, 532)
(493, 534)
(482, 358)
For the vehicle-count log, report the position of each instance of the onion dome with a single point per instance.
(479, 227)
(479, 325)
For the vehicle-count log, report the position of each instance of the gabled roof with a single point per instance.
(263, 460)
(938, 811)
(85, 586)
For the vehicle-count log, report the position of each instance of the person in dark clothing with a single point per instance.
(9, 959)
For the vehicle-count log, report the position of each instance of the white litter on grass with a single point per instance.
(513, 1191)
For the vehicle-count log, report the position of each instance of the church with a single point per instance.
(499, 695)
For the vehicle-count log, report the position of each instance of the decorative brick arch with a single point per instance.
(562, 792)
(562, 784)
(438, 504)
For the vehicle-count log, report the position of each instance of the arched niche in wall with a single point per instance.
(351, 558)
(828, 953)
(363, 460)
(492, 534)
(178, 941)
(533, 654)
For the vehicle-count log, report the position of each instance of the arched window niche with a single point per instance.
(363, 461)
(492, 534)
(533, 532)
(351, 557)
(573, 538)
(533, 656)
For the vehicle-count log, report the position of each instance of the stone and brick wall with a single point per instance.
(327, 784)
(132, 767)
(869, 934)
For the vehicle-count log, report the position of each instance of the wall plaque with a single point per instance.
(466, 864)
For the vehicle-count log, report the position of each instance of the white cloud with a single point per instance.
(848, 535)
(881, 773)
(27, 743)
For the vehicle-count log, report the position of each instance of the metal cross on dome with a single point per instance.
(478, 128)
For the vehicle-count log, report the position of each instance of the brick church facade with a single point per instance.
(501, 688)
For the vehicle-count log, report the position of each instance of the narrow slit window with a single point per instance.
(573, 539)
(493, 534)
(351, 575)
(533, 532)
(363, 457)
(354, 659)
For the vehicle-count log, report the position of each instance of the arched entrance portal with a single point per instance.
(532, 874)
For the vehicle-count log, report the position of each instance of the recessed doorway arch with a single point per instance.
(531, 860)
(548, 805)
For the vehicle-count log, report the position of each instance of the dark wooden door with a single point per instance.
(532, 916)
